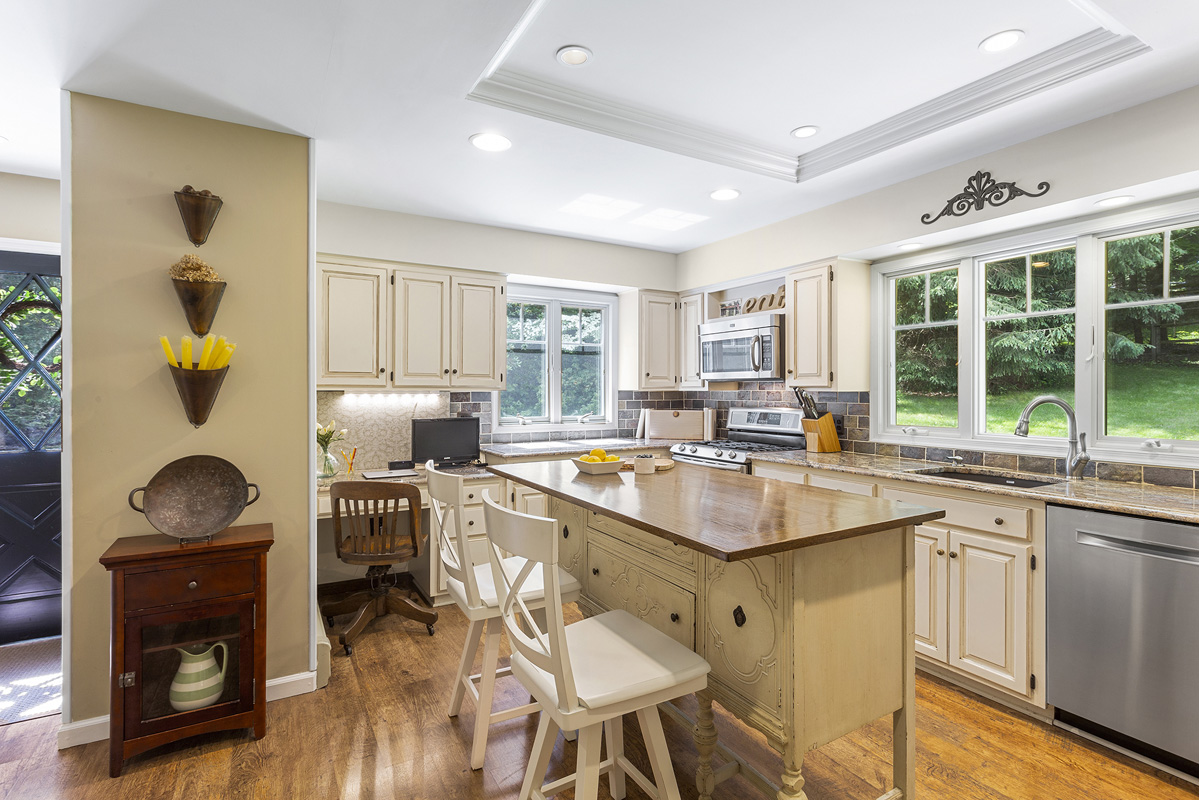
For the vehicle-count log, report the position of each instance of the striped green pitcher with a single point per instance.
(198, 683)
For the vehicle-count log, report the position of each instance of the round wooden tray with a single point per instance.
(660, 464)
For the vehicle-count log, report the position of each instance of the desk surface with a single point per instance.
(728, 515)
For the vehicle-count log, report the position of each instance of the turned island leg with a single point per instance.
(792, 782)
(704, 734)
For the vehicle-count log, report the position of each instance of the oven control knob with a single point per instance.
(718, 453)
(692, 449)
(680, 447)
(732, 455)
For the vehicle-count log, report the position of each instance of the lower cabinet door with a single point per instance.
(989, 609)
(619, 582)
(932, 592)
(527, 501)
(572, 527)
(742, 635)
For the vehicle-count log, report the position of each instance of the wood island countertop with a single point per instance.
(727, 515)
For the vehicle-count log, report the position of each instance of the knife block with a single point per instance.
(821, 435)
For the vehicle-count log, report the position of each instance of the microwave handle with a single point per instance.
(755, 354)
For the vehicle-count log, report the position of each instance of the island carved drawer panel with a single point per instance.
(677, 555)
(188, 584)
(742, 635)
(620, 582)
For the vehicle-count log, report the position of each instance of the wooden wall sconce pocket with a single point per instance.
(198, 389)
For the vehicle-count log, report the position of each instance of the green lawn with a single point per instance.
(1145, 401)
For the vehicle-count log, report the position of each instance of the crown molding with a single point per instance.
(528, 95)
(1083, 55)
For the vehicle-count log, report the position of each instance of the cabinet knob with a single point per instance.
(470, 497)
(739, 616)
(790, 372)
(380, 370)
(470, 522)
(192, 585)
(455, 371)
(940, 552)
(595, 570)
(647, 374)
(953, 554)
(445, 372)
(674, 617)
(999, 520)
(565, 531)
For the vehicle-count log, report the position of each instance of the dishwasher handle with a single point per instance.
(1184, 555)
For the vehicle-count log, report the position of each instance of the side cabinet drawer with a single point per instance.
(664, 548)
(959, 513)
(614, 583)
(841, 485)
(188, 584)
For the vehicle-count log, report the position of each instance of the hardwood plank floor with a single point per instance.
(380, 730)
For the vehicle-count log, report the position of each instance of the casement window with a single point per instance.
(1102, 313)
(560, 350)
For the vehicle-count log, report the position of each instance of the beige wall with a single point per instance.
(29, 208)
(392, 236)
(127, 420)
(1146, 143)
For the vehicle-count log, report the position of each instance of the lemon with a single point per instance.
(612, 458)
(599, 453)
(589, 459)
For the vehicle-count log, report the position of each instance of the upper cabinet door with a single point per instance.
(352, 342)
(809, 328)
(478, 333)
(422, 330)
(690, 317)
(659, 350)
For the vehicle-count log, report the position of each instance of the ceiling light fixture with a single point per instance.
(725, 194)
(1112, 202)
(911, 246)
(805, 131)
(998, 42)
(491, 142)
(574, 55)
(598, 206)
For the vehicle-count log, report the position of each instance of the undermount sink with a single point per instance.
(995, 478)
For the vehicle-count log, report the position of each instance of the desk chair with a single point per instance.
(588, 675)
(371, 537)
(473, 589)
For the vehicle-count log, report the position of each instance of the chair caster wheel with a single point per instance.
(329, 621)
(430, 627)
(349, 649)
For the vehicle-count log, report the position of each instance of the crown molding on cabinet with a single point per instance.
(1083, 55)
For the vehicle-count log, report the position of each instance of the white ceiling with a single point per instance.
(682, 97)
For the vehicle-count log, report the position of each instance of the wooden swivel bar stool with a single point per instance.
(473, 589)
(588, 675)
(371, 537)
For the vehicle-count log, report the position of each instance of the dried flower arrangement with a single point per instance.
(192, 269)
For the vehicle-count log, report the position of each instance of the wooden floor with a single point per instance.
(380, 731)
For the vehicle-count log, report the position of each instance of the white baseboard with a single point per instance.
(86, 731)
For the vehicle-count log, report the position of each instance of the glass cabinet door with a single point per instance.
(193, 661)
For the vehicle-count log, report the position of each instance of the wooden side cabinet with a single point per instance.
(188, 638)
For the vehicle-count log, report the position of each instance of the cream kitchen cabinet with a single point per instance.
(526, 500)
(691, 316)
(932, 592)
(410, 327)
(826, 342)
(649, 328)
(352, 351)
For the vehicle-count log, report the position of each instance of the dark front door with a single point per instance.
(30, 446)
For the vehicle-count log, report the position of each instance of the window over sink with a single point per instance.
(560, 348)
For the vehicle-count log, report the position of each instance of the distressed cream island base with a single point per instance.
(801, 599)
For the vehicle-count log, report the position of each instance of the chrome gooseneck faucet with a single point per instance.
(1077, 457)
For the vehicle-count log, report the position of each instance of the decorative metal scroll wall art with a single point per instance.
(979, 191)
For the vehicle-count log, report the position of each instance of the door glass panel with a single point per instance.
(189, 665)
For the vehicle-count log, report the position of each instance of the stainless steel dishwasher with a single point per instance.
(1123, 626)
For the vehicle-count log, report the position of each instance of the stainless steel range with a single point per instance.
(751, 430)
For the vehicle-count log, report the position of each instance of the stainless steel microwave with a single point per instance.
(742, 348)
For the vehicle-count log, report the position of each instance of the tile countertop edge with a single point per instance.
(565, 447)
(1137, 499)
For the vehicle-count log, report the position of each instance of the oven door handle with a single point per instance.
(755, 353)
(705, 463)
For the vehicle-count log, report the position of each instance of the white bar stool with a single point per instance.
(473, 589)
(588, 675)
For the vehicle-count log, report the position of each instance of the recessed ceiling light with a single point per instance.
(597, 206)
(805, 131)
(491, 142)
(911, 246)
(998, 42)
(725, 194)
(574, 55)
(1112, 202)
(667, 219)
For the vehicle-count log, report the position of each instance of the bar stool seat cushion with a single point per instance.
(532, 592)
(647, 661)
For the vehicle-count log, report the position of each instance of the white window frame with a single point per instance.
(1087, 236)
(555, 298)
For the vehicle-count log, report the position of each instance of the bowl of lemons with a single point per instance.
(598, 462)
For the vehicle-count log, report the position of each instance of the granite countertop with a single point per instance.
(1141, 499)
(566, 447)
(728, 515)
(470, 472)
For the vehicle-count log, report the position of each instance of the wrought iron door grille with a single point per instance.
(30, 362)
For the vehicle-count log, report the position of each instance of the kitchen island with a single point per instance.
(801, 599)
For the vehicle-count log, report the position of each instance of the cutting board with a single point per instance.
(660, 424)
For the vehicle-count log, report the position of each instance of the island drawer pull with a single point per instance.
(595, 570)
(565, 531)
(470, 522)
(674, 616)
(999, 520)
(470, 496)
(739, 616)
